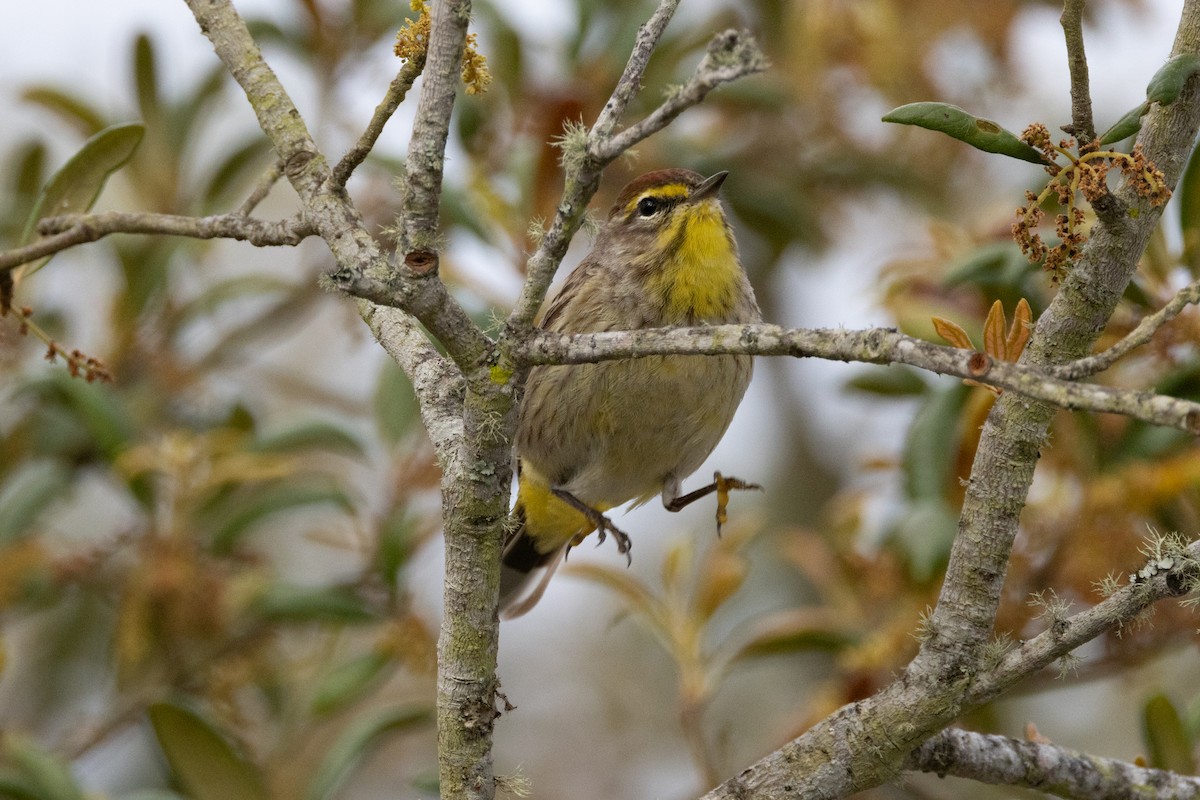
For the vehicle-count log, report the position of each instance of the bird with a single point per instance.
(592, 437)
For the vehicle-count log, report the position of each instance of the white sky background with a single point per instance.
(85, 46)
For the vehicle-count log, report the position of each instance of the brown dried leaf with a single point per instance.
(993, 332)
(1018, 333)
(953, 333)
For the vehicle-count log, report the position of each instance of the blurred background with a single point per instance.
(220, 572)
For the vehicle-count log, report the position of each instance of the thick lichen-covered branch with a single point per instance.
(326, 206)
(1046, 767)
(874, 346)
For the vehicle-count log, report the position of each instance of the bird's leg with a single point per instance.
(601, 523)
(722, 486)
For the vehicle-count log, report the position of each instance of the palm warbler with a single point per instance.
(594, 436)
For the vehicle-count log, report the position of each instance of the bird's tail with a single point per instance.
(525, 570)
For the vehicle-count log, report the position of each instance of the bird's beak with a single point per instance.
(708, 188)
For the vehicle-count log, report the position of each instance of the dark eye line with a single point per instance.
(650, 205)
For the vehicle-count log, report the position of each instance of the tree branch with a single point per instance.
(730, 55)
(1000, 760)
(327, 208)
(397, 91)
(874, 346)
(61, 233)
(1082, 126)
(1016, 429)
(857, 745)
(261, 189)
(866, 743)
(1143, 333)
(427, 147)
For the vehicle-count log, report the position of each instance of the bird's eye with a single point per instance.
(648, 206)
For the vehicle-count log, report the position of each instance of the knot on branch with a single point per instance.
(979, 364)
(297, 162)
(421, 263)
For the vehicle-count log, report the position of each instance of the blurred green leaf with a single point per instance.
(1129, 124)
(239, 513)
(953, 121)
(317, 435)
(152, 794)
(396, 411)
(394, 545)
(235, 172)
(145, 74)
(202, 760)
(793, 630)
(14, 787)
(77, 184)
(925, 534)
(1167, 83)
(359, 738)
(290, 603)
(349, 680)
(1188, 194)
(76, 112)
(27, 494)
(47, 776)
(238, 287)
(896, 380)
(96, 407)
(930, 447)
(1168, 743)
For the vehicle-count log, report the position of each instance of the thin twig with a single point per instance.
(1000, 760)
(730, 55)
(261, 189)
(397, 91)
(1143, 333)
(1082, 127)
(67, 231)
(872, 346)
(1065, 635)
(630, 82)
(331, 213)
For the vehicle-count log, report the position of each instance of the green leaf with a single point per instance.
(45, 774)
(893, 381)
(83, 117)
(1167, 83)
(232, 174)
(794, 630)
(356, 742)
(145, 73)
(202, 760)
(953, 121)
(930, 448)
(348, 681)
(1126, 126)
(1163, 732)
(291, 603)
(152, 794)
(77, 184)
(27, 494)
(925, 534)
(396, 410)
(227, 290)
(1188, 194)
(245, 510)
(323, 436)
(99, 411)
